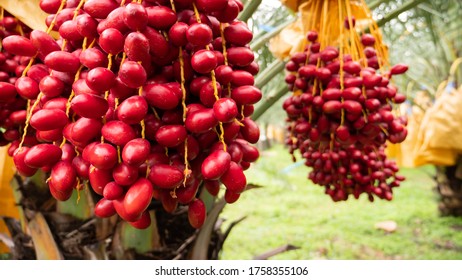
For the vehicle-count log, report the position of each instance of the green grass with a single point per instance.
(289, 209)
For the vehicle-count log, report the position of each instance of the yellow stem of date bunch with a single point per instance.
(186, 170)
(29, 116)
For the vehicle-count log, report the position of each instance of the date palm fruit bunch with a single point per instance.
(144, 100)
(340, 115)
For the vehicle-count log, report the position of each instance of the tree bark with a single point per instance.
(449, 187)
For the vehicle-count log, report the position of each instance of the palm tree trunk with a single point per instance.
(449, 188)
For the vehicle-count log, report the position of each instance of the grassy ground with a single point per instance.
(291, 210)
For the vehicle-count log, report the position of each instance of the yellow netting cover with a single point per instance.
(440, 134)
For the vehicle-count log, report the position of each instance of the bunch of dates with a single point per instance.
(340, 118)
(144, 100)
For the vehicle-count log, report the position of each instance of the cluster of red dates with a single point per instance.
(142, 99)
(340, 118)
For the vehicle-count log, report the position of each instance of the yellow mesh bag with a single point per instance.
(441, 130)
(289, 41)
(440, 133)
